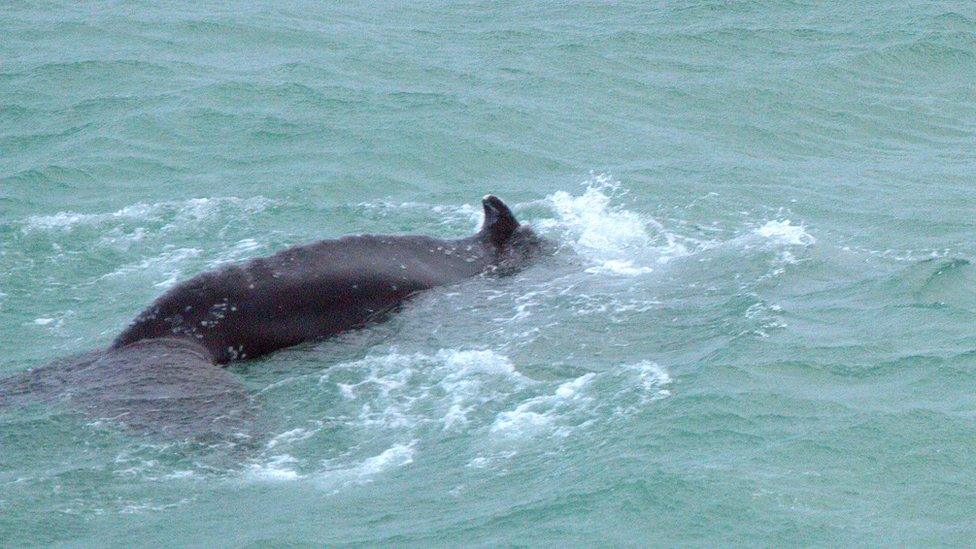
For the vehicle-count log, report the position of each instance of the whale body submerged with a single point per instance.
(162, 374)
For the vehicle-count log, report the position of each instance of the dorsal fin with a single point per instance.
(499, 222)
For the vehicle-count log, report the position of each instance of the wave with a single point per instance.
(284, 467)
(618, 391)
(181, 212)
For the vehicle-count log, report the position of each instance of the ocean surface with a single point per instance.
(759, 328)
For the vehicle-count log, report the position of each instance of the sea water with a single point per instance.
(758, 328)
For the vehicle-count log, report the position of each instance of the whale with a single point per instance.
(324, 288)
(164, 374)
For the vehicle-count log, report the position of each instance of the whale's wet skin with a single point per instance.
(165, 387)
(757, 327)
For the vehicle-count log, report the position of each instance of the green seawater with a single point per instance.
(758, 330)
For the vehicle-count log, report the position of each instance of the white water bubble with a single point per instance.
(363, 472)
(786, 233)
(278, 469)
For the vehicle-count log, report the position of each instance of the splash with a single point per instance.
(616, 240)
(595, 223)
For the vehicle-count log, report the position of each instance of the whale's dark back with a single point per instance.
(316, 290)
(302, 293)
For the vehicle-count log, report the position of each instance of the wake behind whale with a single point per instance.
(162, 375)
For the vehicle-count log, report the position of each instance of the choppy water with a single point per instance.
(760, 328)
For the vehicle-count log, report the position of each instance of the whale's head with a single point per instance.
(514, 245)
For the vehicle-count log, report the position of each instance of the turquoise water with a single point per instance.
(759, 328)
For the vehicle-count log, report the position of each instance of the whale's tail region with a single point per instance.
(163, 387)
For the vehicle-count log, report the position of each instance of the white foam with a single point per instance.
(119, 238)
(619, 242)
(624, 390)
(445, 214)
(479, 462)
(56, 321)
(284, 467)
(393, 457)
(166, 267)
(243, 249)
(278, 469)
(652, 378)
(461, 363)
(465, 375)
(521, 421)
(539, 413)
(456, 416)
(571, 389)
(766, 316)
(404, 391)
(397, 455)
(180, 475)
(68, 220)
(291, 436)
(623, 243)
(619, 267)
(139, 508)
(479, 392)
(598, 225)
(785, 233)
(483, 462)
(192, 210)
(347, 391)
